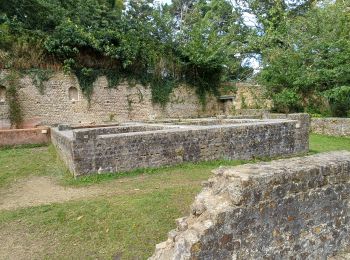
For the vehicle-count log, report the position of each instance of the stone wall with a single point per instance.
(303, 126)
(15, 137)
(123, 103)
(286, 209)
(120, 104)
(140, 145)
(4, 109)
(251, 96)
(331, 126)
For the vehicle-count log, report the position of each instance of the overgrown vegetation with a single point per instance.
(306, 57)
(303, 46)
(137, 41)
(39, 77)
(15, 111)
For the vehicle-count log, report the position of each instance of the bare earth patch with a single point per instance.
(44, 190)
(37, 190)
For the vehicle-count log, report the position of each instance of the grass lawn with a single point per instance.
(125, 225)
(322, 143)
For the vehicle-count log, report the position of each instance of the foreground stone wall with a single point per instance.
(331, 126)
(140, 145)
(123, 103)
(286, 209)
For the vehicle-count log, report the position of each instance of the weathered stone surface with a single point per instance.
(122, 103)
(303, 126)
(16, 137)
(331, 126)
(140, 145)
(285, 209)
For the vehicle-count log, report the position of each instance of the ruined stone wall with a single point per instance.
(303, 127)
(4, 108)
(331, 126)
(122, 103)
(124, 148)
(295, 208)
(64, 147)
(251, 96)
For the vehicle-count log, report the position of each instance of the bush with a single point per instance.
(339, 100)
(287, 101)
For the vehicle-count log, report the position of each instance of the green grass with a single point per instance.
(127, 224)
(17, 163)
(322, 143)
(190, 168)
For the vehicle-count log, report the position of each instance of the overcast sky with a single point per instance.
(164, 1)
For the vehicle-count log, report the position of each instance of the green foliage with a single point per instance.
(211, 34)
(15, 111)
(161, 89)
(86, 78)
(113, 78)
(287, 101)
(243, 102)
(339, 99)
(142, 44)
(39, 77)
(311, 55)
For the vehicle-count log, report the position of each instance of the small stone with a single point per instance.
(181, 224)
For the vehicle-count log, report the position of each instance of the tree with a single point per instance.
(314, 57)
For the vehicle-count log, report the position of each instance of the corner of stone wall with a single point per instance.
(302, 129)
(276, 210)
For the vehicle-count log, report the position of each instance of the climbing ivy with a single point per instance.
(161, 90)
(86, 78)
(15, 111)
(39, 77)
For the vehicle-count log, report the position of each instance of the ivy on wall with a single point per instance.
(15, 111)
(39, 77)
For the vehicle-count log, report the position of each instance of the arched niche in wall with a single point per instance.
(73, 94)
(2, 94)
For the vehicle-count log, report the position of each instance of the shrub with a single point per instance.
(339, 100)
(287, 101)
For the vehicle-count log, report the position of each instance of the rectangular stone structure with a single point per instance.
(296, 208)
(331, 126)
(140, 145)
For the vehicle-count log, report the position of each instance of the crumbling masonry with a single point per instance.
(295, 208)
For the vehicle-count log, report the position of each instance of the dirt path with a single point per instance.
(36, 190)
(43, 190)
